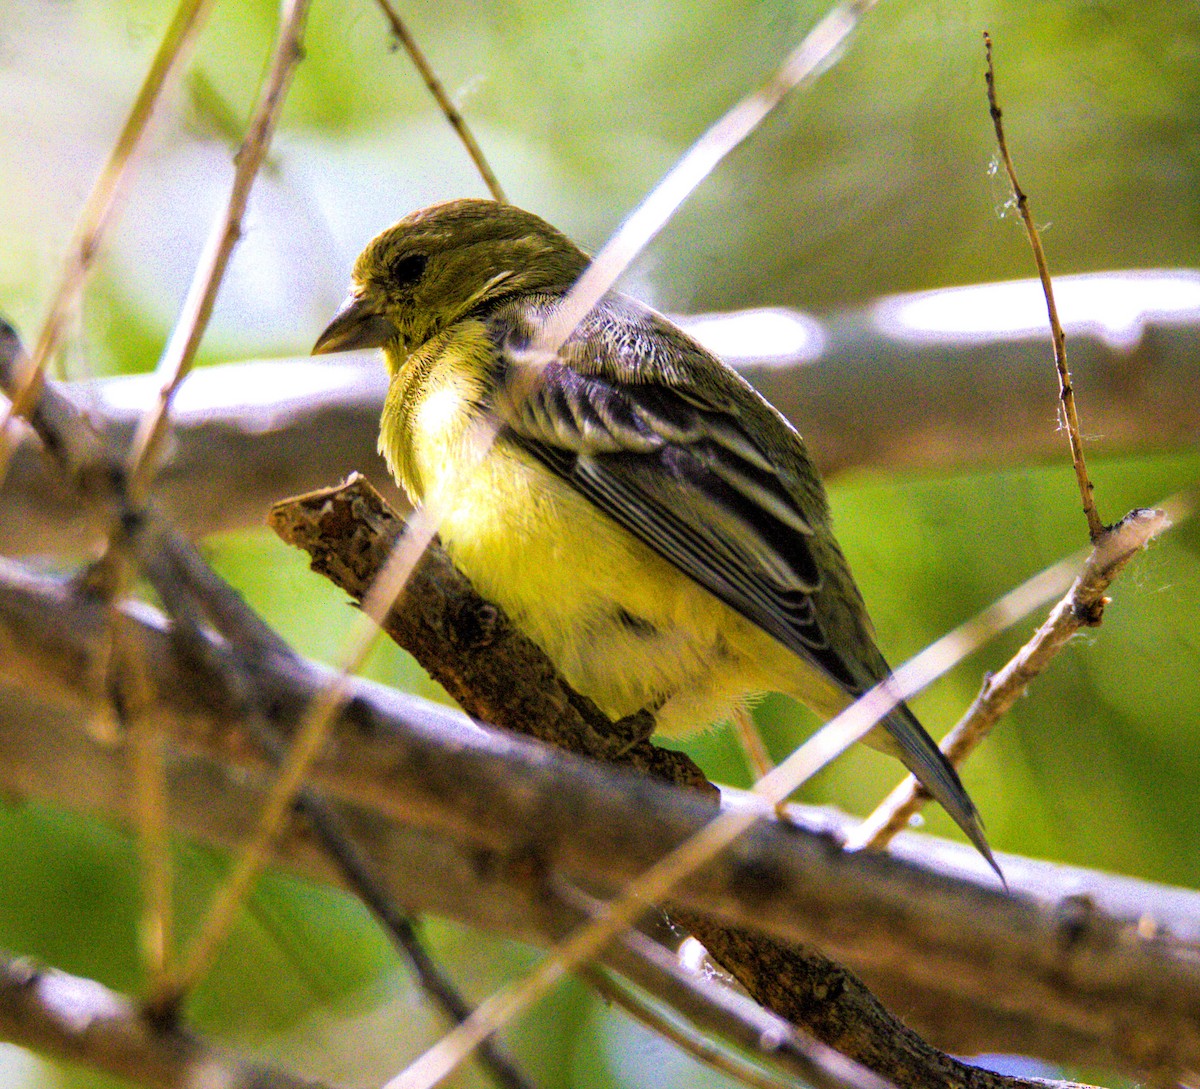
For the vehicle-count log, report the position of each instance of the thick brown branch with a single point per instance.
(515, 803)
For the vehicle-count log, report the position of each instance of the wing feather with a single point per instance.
(688, 482)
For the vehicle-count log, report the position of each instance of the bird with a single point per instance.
(644, 514)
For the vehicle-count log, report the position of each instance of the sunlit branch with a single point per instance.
(703, 1050)
(819, 49)
(404, 762)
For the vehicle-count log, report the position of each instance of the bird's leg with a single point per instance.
(754, 750)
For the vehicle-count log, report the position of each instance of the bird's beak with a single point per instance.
(356, 325)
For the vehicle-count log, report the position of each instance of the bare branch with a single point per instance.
(915, 406)
(46, 755)
(1066, 390)
(451, 112)
(1082, 607)
(80, 1021)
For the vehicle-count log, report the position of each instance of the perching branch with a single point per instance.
(344, 526)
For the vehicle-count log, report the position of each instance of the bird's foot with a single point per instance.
(633, 730)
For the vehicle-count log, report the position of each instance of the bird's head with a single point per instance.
(443, 263)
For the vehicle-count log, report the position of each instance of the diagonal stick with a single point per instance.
(98, 211)
(815, 53)
(451, 112)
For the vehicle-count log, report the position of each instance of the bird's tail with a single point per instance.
(920, 754)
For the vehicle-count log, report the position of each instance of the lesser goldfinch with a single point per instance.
(645, 516)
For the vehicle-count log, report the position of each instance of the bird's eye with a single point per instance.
(407, 269)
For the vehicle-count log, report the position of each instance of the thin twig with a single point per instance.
(356, 871)
(447, 107)
(1082, 607)
(180, 353)
(1066, 391)
(654, 884)
(146, 444)
(686, 1039)
(817, 52)
(98, 211)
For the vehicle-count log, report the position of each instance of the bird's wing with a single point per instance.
(683, 477)
(679, 471)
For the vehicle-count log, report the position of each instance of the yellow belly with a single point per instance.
(624, 626)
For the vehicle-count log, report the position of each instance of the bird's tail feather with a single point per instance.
(920, 754)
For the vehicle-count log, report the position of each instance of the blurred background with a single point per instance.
(881, 179)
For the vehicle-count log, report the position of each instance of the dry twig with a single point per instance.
(1083, 606)
(180, 353)
(451, 112)
(1066, 390)
(98, 212)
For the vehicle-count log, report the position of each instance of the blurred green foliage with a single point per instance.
(878, 180)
